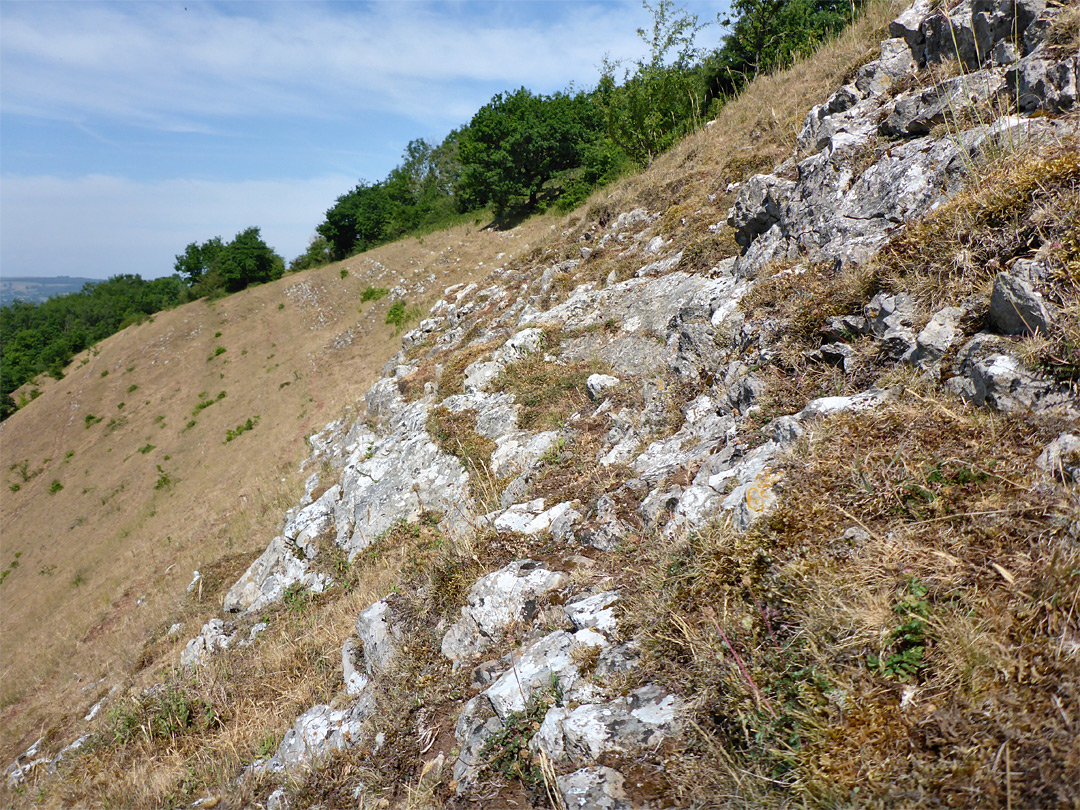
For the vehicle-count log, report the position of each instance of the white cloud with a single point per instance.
(100, 226)
(161, 66)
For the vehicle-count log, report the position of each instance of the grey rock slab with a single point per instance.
(1016, 308)
(25, 764)
(479, 375)
(908, 26)
(380, 636)
(834, 211)
(529, 518)
(316, 734)
(539, 666)
(266, 580)
(400, 475)
(497, 601)
(626, 353)
(475, 724)
(702, 431)
(594, 788)
(642, 306)
(990, 375)
(598, 384)
(496, 414)
(660, 266)
(618, 659)
(865, 400)
(1062, 457)
(918, 112)
(884, 312)
(758, 206)
(1036, 83)
(563, 527)
(594, 611)
(216, 635)
(744, 486)
(521, 344)
(311, 521)
(939, 334)
(519, 451)
(353, 666)
(629, 725)
(835, 127)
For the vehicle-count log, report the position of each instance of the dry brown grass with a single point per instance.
(191, 736)
(547, 392)
(298, 353)
(961, 584)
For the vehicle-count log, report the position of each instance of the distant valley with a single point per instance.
(38, 289)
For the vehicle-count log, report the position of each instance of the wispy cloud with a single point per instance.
(162, 65)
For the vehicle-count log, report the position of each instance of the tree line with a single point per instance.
(523, 152)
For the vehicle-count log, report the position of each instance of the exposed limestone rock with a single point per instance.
(531, 517)
(520, 450)
(267, 579)
(597, 384)
(315, 735)
(638, 722)
(919, 112)
(26, 764)
(1016, 308)
(596, 788)
(496, 602)
(1062, 457)
(990, 375)
(1042, 84)
(216, 635)
(353, 666)
(549, 658)
(938, 335)
(594, 611)
(744, 485)
(379, 635)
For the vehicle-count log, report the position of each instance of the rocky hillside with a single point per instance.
(743, 489)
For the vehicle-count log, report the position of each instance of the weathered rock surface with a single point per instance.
(216, 635)
(1016, 308)
(640, 721)
(676, 465)
(497, 601)
(315, 735)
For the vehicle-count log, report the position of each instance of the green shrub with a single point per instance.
(239, 429)
(399, 315)
(373, 294)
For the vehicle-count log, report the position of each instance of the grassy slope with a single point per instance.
(104, 561)
(965, 545)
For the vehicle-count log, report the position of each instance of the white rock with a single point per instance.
(497, 601)
(594, 611)
(550, 660)
(597, 384)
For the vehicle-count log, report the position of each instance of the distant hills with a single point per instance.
(36, 290)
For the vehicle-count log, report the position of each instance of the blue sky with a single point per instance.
(128, 130)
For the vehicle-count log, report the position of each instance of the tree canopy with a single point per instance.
(42, 338)
(215, 267)
(519, 141)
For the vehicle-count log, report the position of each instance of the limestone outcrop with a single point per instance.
(554, 643)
